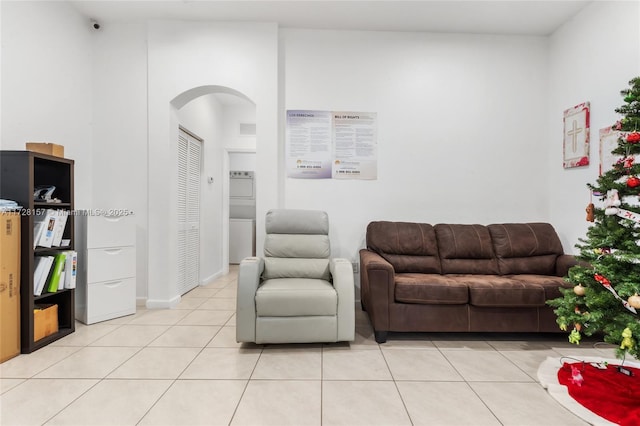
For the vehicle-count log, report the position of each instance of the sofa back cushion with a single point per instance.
(465, 249)
(526, 248)
(409, 247)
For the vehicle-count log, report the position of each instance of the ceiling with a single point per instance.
(519, 17)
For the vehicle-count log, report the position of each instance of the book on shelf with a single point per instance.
(41, 273)
(37, 231)
(58, 231)
(54, 278)
(63, 271)
(70, 269)
(44, 228)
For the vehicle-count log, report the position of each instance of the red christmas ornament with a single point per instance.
(633, 181)
(633, 137)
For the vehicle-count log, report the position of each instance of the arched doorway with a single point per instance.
(206, 111)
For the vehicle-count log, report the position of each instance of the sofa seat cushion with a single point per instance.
(290, 297)
(549, 283)
(498, 291)
(430, 289)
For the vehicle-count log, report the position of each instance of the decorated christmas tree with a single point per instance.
(604, 300)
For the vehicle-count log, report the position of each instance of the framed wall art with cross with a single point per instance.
(609, 142)
(576, 136)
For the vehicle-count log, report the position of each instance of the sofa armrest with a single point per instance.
(377, 281)
(249, 273)
(564, 262)
(342, 277)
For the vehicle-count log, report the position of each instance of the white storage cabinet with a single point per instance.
(106, 282)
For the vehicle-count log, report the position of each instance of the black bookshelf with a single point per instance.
(20, 173)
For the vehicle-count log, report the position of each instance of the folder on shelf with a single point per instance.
(62, 274)
(58, 231)
(37, 231)
(39, 263)
(41, 273)
(56, 270)
(71, 269)
(46, 231)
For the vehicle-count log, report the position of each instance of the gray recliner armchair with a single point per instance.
(296, 293)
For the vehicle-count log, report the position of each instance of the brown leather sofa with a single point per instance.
(416, 277)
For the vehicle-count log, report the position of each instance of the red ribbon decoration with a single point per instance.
(607, 284)
(602, 280)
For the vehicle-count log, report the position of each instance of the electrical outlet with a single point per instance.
(355, 268)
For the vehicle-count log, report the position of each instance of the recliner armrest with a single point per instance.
(342, 276)
(249, 273)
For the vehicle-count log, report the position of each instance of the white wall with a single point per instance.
(188, 55)
(46, 83)
(242, 161)
(461, 126)
(592, 58)
(203, 116)
(234, 115)
(120, 130)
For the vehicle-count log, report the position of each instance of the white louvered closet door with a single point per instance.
(189, 173)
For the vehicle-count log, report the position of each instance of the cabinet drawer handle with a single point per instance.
(112, 284)
(113, 251)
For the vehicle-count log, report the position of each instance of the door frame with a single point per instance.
(226, 168)
(199, 140)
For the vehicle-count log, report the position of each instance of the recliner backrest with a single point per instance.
(297, 244)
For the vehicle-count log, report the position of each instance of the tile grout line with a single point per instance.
(244, 390)
(395, 384)
(178, 375)
(99, 380)
(466, 382)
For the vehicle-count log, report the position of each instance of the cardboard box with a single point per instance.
(45, 321)
(9, 285)
(46, 148)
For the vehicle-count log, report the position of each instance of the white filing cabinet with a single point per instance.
(106, 283)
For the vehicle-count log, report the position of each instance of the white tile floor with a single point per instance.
(183, 367)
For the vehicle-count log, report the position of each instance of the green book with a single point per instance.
(58, 264)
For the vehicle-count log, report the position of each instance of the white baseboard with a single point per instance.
(162, 304)
(210, 278)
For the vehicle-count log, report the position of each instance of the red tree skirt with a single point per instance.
(608, 393)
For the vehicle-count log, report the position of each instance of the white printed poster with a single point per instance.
(326, 144)
(308, 144)
(355, 145)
